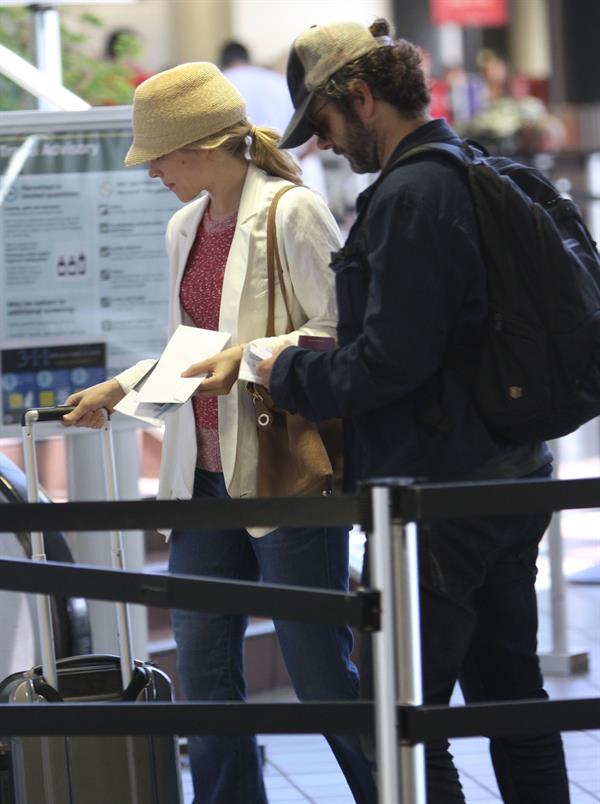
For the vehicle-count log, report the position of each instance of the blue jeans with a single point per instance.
(479, 627)
(227, 770)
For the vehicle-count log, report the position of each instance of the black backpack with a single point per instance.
(536, 374)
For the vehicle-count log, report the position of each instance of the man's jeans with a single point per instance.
(210, 646)
(479, 626)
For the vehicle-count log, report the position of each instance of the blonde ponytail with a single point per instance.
(262, 149)
(265, 155)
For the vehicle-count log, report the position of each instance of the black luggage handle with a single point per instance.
(50, 414)
(140, 678)
(45, 690)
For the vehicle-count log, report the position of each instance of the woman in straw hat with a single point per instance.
(190, 126)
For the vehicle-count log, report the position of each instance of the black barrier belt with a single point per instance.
(152, 514)
(184, 718)
(434, 501)
(416, 724)
(302, 603)
(410, 502)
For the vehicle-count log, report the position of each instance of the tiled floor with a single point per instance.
(302, 768)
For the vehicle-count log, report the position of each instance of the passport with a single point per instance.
(316, 343)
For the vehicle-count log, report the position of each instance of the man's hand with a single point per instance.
(90, 402)
(265, 367)
(221, 369)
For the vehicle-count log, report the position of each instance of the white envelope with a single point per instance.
(187, 345)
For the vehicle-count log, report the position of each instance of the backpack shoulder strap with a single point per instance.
(463, 154)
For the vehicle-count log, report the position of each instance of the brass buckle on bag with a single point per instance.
(251, 388)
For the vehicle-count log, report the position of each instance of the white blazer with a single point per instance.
(307, 234)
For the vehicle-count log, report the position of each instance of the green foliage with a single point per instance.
(16, 33)
(98, 81)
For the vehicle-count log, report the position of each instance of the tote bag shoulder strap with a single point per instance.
(274, 265)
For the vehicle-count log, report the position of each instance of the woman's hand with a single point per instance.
(222, 370)
(90, 402)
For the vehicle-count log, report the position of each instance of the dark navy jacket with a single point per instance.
(411, 287)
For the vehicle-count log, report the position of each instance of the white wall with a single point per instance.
(267, 27)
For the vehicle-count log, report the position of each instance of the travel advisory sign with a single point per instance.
(83, 252)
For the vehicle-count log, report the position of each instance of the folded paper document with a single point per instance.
(163, 389)
(187, 345)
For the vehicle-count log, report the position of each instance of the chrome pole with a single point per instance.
(116, 555)
(38, 553)
(384, 649)
(123, 620)
(48, 46)
(408, 645)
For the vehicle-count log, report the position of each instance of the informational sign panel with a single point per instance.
(82, 256)
(39, 376)
(469, 13)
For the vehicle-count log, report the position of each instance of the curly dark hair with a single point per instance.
(394, 74)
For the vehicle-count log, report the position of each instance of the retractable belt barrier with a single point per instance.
(153, 514)
(360, 609)
(412, 502)
(388, 510)
(416, 723)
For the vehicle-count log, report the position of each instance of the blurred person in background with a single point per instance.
(268, 104)
(264, 91)
(124, 46)
(509, 119)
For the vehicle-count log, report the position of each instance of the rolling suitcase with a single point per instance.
(74, 769)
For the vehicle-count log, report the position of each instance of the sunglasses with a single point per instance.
(318, 128)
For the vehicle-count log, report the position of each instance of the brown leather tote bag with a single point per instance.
(295, 456)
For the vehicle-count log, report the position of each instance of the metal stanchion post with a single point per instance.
(117, 558)
(47, 45)
(560, 661)
(408, 645)
(38, 553)
(384, 651)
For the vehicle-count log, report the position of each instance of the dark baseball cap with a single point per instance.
(315, 56)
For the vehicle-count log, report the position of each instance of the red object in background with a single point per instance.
(440, 99)
(477, 13)
(524, 86)
(440, 89)
(139, 76)
(540, 88)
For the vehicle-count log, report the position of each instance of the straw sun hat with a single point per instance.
(179, 106)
